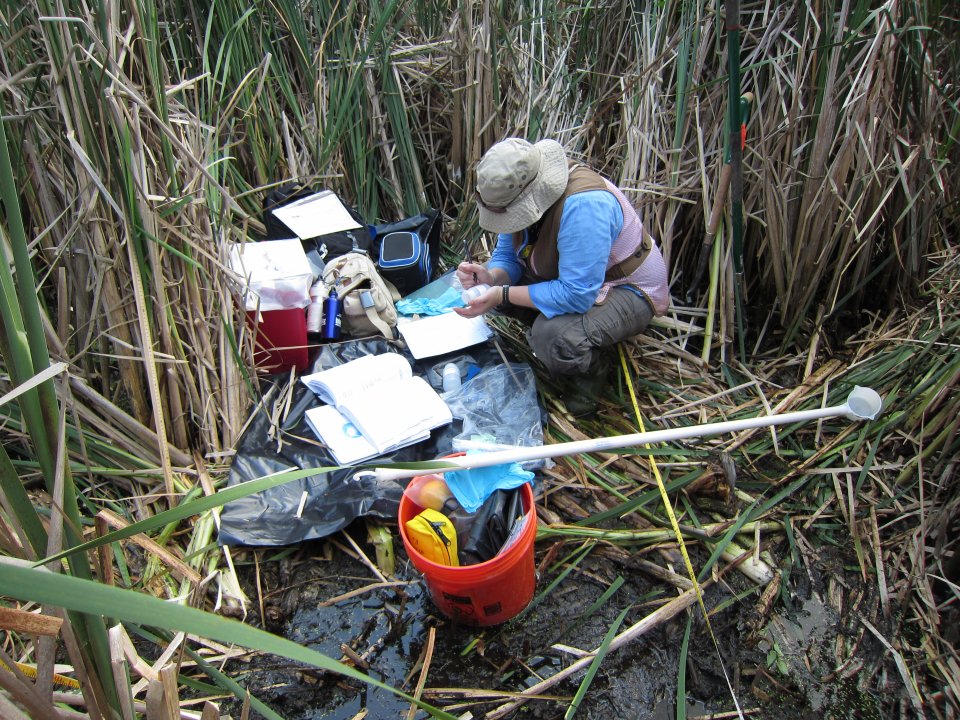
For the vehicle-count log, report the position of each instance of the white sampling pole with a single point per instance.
(862, 404)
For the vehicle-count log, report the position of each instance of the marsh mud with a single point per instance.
(798, 652)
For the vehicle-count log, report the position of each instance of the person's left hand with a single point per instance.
(488, 301)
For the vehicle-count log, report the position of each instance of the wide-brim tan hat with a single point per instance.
(517, 182)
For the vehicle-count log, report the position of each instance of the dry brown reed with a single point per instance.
(144, 136)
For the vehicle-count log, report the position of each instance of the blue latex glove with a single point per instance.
(473, 486)
(446, 301)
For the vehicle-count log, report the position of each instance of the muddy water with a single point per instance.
(388, 628)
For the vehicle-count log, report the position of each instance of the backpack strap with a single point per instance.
(370, 309)
(625, 267)
(369, 306)
(392, 289)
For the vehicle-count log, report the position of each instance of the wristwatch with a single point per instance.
(505, 297)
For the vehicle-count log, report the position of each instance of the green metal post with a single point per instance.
(736, 157)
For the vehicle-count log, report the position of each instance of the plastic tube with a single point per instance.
(862, 404)
(471, 294)
(451, 377)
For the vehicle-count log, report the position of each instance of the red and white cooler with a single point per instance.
(276, 279)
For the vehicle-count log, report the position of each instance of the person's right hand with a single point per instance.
(470, 274)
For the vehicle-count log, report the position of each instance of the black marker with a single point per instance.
(466, 257)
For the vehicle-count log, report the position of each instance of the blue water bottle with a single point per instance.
(331, 316)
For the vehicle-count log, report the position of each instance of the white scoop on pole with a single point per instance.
(862, 404)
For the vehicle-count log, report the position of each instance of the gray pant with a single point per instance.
(568, 344)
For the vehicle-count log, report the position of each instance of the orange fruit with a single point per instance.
(431, 492)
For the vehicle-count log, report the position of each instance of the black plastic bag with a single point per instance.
(331, 500)
(491, 526)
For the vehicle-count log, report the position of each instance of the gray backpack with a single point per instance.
(368, 300)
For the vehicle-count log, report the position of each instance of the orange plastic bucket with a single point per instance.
(488, 593)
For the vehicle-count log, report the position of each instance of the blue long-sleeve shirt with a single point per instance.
(590, 223)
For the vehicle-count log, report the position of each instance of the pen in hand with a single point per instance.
(466, 257)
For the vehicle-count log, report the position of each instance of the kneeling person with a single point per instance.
(571, 247)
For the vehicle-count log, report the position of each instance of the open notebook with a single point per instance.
(375, 404)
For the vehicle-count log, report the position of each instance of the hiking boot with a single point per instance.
(585, 391)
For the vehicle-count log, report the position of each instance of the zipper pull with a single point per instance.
(438, 529)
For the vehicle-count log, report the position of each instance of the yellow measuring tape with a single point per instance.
(674, 524)
(31, 672)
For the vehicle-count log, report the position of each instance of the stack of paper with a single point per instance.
(375, 405)
(441, 334)
(315, 215)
